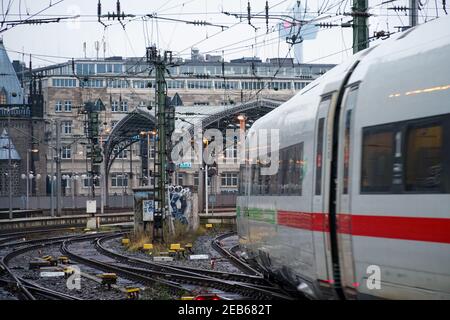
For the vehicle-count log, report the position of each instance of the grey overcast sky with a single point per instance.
(60, 41)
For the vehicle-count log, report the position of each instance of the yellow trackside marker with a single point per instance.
(133, 293)
(188, 245)
(63, 259)
(175, 246)
(125, 241)
(187, 298)
(47, 258)
(208, 225)
(107, 276)
(147, 246)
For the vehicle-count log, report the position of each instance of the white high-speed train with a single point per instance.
(360, 204)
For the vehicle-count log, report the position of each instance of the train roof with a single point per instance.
(423, 38)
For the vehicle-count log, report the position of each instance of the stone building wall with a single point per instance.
(23, 131)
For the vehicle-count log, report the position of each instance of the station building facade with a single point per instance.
(125, 84)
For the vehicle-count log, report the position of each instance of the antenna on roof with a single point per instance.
(97, 47)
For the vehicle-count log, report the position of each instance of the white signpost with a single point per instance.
(91, 206)
(92, 222)
(198, 257)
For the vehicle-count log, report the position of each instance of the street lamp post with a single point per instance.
(13, 94)
(28, 174)
(205, 141)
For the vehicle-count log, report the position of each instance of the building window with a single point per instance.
(120, 154)
(124, 106)
(66, 152)
(87, 182)
(231, 149)
(68, 106)
(115, 106)
(3, 96)
(66, 127)
(180, 178)
(119, 180)
(377, 159)
(64, 82)
(196, 180)
(58, 106)
(229, 179)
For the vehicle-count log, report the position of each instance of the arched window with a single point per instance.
(3, 99)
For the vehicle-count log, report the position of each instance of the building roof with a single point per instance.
(4, 148)
(8, 78)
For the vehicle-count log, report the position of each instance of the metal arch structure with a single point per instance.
(124, 134)
(127, 131)
(253, 110)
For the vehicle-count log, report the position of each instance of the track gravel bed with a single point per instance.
(90, 290)
(201, 246)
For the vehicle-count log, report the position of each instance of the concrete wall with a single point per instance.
(67, 202)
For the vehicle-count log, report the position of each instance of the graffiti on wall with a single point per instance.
(180, 203)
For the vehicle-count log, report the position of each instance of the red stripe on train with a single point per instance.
(403, 228)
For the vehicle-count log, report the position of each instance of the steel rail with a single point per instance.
(237, 262)
(251, 279)
(25, 286)
(175, 287)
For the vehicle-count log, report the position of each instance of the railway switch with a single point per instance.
(63, 260)
(37, 264)
(108, 279)
(188, 247)
(52, 261)
(133, 293)
(68, 272)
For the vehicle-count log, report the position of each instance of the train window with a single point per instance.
(319, 157)
(296, 169)
(424, 161)
(349, 105)
(288, 179)
(348, 120)
(377, 160)
(290, 171)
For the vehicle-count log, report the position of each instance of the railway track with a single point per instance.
(179, 279)
(252, 286)
(26, 289)
(228, 254)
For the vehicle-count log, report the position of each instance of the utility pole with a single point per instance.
(360, 28)
(9, 161)
(58, 167)
(160, 164)
(52, 208)
(413, 13)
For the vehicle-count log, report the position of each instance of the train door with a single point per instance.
(322, 158)
(343, 207)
